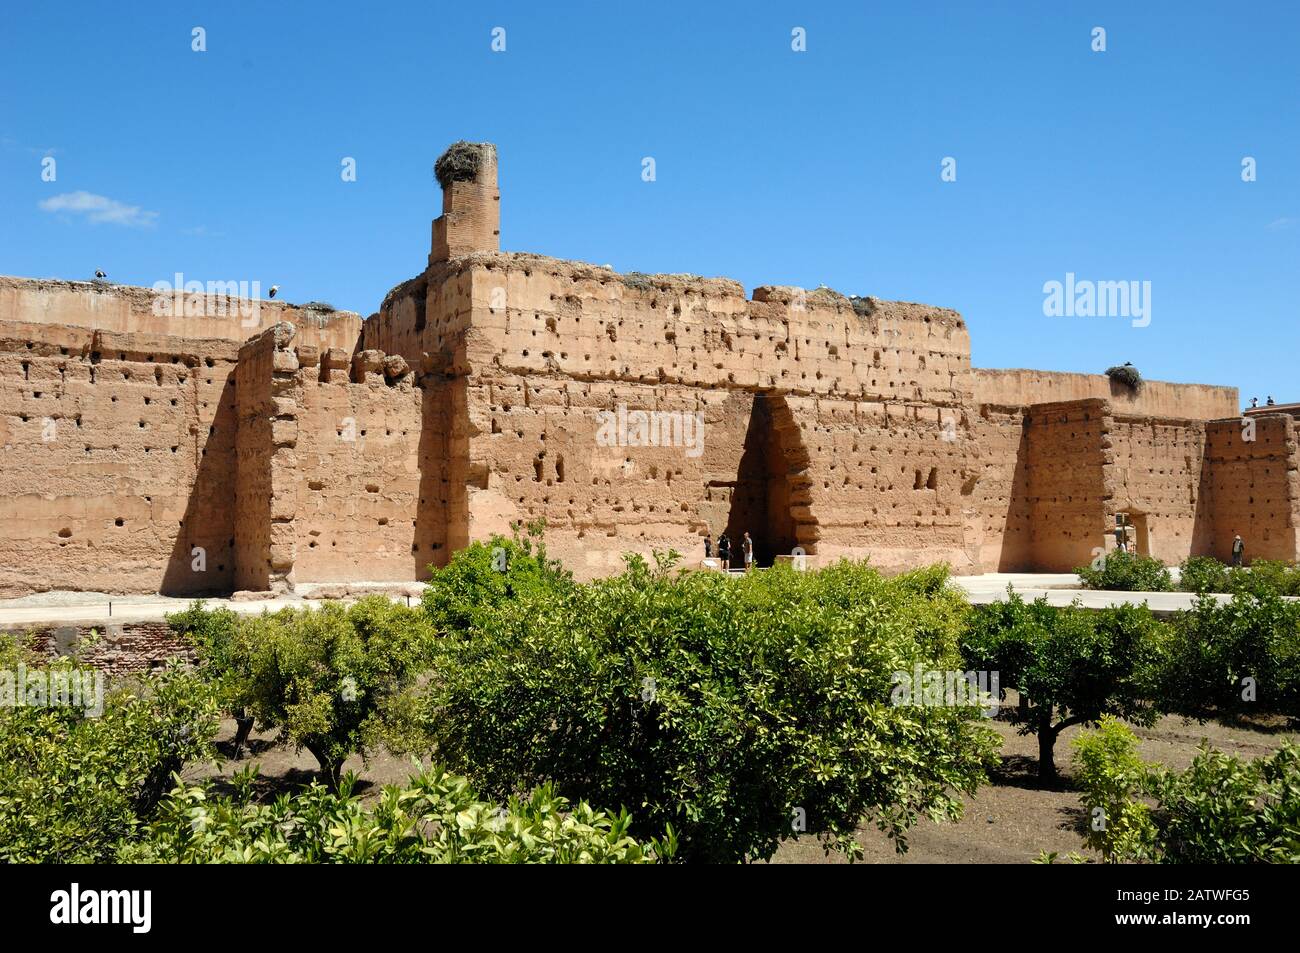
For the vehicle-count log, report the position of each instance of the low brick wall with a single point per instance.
(117, 649)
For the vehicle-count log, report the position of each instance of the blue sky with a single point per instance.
(772, 166)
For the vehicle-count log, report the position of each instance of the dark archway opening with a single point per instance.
(761, 498)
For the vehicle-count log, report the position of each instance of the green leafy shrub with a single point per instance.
(1267, 577)
(1070, 665)
(1221, 810)
(212, 632)
(738, 711)
(435, 818)
(1235, 658)
(73, 784)
(1113, 778)
(1127, 572)
(1203, 574)
(1264, 577)
(329, 677)
(485, 576)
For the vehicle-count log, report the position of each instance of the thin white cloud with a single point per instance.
(9, 143)
(99, 209)
(1283, 222)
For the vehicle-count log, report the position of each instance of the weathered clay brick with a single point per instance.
(630, 412)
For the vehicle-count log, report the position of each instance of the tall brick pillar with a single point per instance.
(471, 204)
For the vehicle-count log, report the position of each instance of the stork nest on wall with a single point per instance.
(319, 306)
(863, 307)
(460, 163)
(1127, 375)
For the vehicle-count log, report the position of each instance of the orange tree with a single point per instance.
(1069, 665)
(738, 712)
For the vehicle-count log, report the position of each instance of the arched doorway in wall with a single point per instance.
(771, 497)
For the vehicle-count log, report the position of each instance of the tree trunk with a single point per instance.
(157, 783)
(243, 728)
(1046, 750)
(330, 770)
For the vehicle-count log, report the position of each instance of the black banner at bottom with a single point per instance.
(143, 904)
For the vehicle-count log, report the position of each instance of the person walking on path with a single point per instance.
(1238, 550)
(747, 549)
(724, 551)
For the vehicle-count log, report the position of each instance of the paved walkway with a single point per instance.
(99, 609)
(1062, 589)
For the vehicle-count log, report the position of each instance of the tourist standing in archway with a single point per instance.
(1238, 550)
(724, 551)
(747, 550)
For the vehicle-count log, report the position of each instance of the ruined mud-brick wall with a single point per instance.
(426, 321)
(1023, 388)
(1006, 537)
(103, 306)
(861, 422)
(1255, 488)
(1157, 447)
(1070, 459)
(116, 459)
(117, 436)
(1159, 482)
(357, 467)
(259, 393)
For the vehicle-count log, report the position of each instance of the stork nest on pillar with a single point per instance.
(460, 163)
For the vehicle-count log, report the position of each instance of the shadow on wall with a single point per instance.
(1017, 553)
(1203, 528)
(209, 521)
(430, 545)
(763, 497)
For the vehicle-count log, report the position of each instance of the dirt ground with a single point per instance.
(1008, 821)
